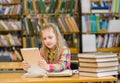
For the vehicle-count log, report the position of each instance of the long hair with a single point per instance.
(59, 45)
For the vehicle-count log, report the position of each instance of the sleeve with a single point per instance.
(64, 62)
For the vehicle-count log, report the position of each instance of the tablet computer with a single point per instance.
(32, 56)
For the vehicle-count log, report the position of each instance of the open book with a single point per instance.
(50, 74)
(66, 72)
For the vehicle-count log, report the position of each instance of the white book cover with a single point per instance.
(114, 25)
(98, 59)
(100, 74)
(100, 11)
(100, 69)
(97, 55)
(85, 5)
(7, 10)
(89, 43)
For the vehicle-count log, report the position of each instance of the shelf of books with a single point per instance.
(100, 23)
(10, 31)
(102, 19)
(62, 13)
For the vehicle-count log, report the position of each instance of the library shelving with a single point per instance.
(64, 13)
(10, 31)
(101, 18)
(104, 24)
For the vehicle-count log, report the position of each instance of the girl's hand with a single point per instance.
(26, 66)
(43, 65)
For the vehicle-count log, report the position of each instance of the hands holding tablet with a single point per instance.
(41, 63)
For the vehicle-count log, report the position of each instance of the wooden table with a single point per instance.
(17, 78)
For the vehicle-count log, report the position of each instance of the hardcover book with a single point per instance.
(100, 74)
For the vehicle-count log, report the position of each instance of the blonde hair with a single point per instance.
(60, 42)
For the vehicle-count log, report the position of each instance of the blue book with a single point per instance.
(101, 6)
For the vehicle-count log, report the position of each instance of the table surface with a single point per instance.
(17, 78)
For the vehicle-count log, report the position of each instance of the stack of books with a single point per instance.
(98, 64)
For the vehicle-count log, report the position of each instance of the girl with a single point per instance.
(54, 51)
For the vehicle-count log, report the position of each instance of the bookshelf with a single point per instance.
(10, 32)
(101, 16)
(99, 23)
(64, 13)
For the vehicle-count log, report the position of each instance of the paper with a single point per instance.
(63, 73)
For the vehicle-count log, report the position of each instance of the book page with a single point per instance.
(66, 72)
(32, 56)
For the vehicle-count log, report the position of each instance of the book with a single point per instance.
(32, 56)
(89, 43)
(100, 74)
(97, 59)
(114, 23)
(97, 55)
(99, 64)
(85, 5)
(59, 5)
(100, 69)
(66, 72)
(100, 11)
(63, 73)
(42, 6)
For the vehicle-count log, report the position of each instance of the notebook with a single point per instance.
(32, 56)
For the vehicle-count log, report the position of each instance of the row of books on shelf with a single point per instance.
(9, 40)
(100, 6)
(34, 41)
(31, 41)
(98, 64)
(90, 42)
(9, 1)
(11, 9)
(96, 23)
(8, 55)
(50, 6)
(108, 41)
(10, 24)
(65, 24)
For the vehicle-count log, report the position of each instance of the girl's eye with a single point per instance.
(44, 38)
(50, 37)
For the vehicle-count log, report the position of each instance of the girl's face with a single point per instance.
(49, 38)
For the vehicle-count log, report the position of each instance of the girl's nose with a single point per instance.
(47, 40)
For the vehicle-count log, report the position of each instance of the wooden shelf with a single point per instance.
(100, 0)
(74, 50)
(10, 30)
(101, 32)
(11, 65)
(108, 49)
(83, 13)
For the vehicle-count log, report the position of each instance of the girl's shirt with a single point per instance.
(64, 61)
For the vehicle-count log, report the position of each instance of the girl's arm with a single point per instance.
(64, 62)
